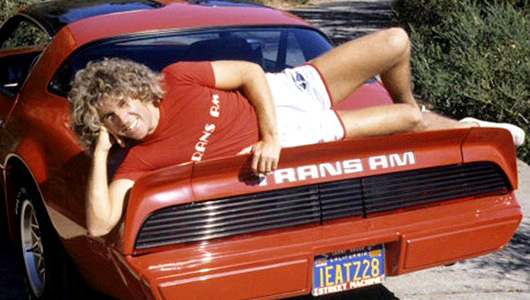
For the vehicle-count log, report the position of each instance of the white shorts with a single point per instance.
(304, 111)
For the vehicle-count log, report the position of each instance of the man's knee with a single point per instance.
(398, 40)
(414, 119)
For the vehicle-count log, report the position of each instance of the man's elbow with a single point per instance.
(252, 75)
(251, 69)
(96, 231)
(99, 228)
(256, 68)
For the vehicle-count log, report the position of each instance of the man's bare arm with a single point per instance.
(250, 77)
(104, 202)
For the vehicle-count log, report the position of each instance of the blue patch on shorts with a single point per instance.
(300, 81)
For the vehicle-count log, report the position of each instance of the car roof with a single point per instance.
(52, 16)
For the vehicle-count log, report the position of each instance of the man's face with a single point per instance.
(130, 118)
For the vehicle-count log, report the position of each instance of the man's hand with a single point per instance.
(106, 140)
(103, 143)
(265, 157)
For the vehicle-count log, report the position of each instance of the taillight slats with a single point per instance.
(241, 211)
(208, 222)
(192, 222)
(432, 185)
(340, 199)
(236, 203)
(220, 218)
(169, 237)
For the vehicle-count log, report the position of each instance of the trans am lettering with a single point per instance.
(391, 161)
(318, 171)
(200, 146)
(216, 106)
(337, 168)
(202, 143)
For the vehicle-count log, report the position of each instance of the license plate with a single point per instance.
(345, 270)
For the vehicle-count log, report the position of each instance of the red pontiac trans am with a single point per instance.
(334, 216)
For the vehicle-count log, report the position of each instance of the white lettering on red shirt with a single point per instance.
(200, 146)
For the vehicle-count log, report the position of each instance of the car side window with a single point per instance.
(294, 54)
(26, 34)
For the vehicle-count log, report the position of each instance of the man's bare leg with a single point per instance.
(381, 120)
(394, 118)
(433, 121)
(385, 53)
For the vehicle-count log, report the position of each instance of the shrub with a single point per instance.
(471, 58)
(27, 35)
(10, 7)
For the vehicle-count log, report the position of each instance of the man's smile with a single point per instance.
(131, 126)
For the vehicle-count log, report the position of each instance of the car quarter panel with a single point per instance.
(55, 53)
(38, 134)
(35, 128)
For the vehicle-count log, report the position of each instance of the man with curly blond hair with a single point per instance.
(114, 79)
(201, 110)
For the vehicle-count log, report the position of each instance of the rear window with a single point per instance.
(273, 48)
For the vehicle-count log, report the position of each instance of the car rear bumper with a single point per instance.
(280, 263)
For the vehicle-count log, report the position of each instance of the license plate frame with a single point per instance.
(348, 269)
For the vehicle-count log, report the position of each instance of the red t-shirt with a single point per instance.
(197, 122)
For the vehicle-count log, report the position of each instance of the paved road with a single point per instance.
(502, 275)
(10, 278)
(345, 20)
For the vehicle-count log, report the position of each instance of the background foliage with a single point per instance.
(27, 35)
(10, 7)
(472, 58)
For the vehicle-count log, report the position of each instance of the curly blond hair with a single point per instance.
(109, 79)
